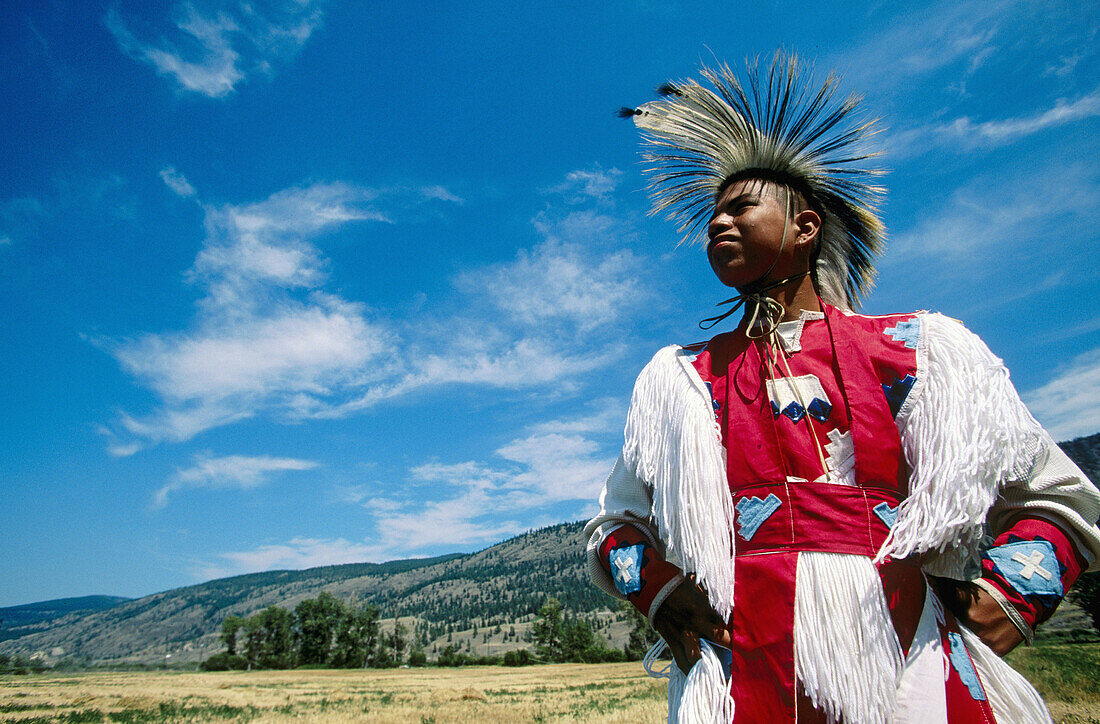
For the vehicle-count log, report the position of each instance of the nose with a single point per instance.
(719, 223)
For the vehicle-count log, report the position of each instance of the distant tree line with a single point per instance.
(325, 632)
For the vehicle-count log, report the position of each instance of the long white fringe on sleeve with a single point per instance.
(846, 652)
(702, 696)
(1011, 697)
(964, 431)
(673, 442)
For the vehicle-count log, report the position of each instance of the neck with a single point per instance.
(797, 295)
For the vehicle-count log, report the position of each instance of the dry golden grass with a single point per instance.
(558, 693)
(1065, 675)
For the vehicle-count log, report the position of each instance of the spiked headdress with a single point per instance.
(698, 139)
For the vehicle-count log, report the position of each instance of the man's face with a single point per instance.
(746, 231)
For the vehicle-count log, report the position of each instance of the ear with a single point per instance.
(807, 225)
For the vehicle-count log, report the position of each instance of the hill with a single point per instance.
(444, 599)
(16, 621)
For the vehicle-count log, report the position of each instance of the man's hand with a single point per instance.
(980, 613)
(685, 617)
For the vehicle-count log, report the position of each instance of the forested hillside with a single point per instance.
(475, 601)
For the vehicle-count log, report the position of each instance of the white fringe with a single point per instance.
(674, 444)
(964, 432)
(702, 696)
(846, 653)
(1011, 696)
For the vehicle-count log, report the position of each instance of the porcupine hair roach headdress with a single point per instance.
(698, 139)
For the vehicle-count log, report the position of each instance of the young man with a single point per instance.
(801, 503)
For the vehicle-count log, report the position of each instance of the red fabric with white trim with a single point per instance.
(1033, 610)
(656, 572)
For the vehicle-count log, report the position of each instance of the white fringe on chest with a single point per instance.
(673, 443)
(964, 431)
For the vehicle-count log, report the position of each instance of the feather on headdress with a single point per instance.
(697, 139)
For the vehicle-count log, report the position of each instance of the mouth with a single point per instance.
(720, 250)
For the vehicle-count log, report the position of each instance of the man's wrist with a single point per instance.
(662, 595)
(1010, 611)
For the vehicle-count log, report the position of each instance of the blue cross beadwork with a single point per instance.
(1029, 566)
(626, 567)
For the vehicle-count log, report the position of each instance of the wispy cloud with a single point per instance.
(232, 471)
(587, 184)
(964, 134)
(177, 182)
(480, 502)
(296, 554)
(926, 39)
(210, 51)
(1069, 405)
(475, 503)
(1006, 213)
(266, 335)
(268, 338)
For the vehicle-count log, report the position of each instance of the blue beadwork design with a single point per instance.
(794, 411)
(897, 392)
(775, 409)
(713, 402)
(819, 409)
(960, 659)
(887, 514)
(752, 512)
(1031, 567)
(907, 332)
(626, 567)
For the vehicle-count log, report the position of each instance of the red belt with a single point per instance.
(820, 517)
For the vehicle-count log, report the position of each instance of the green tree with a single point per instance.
(269, 639)
(642, 635)
(580, 643)
(231, 624)
(356, 638)
(397, 640)
(548, 631)
(277, 651)
(1086, 594)
(254, 638)
(318, 621)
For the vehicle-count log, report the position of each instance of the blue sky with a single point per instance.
(296, 283)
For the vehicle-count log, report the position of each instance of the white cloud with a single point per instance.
(561, 283)
(481, 502)
(927, 40)
(964, 134)
(1069, 405)
(476, 503)
(232, 471)
(268, 339)
(1005, 213)
(210, 51)
(588, 184)
(265, 336)
(608, 415)
(298, 553)
(177, 182)
(567, 279)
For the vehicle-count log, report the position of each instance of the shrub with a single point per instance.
(225, 662)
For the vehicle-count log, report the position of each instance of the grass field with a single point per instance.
(1067, 675)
